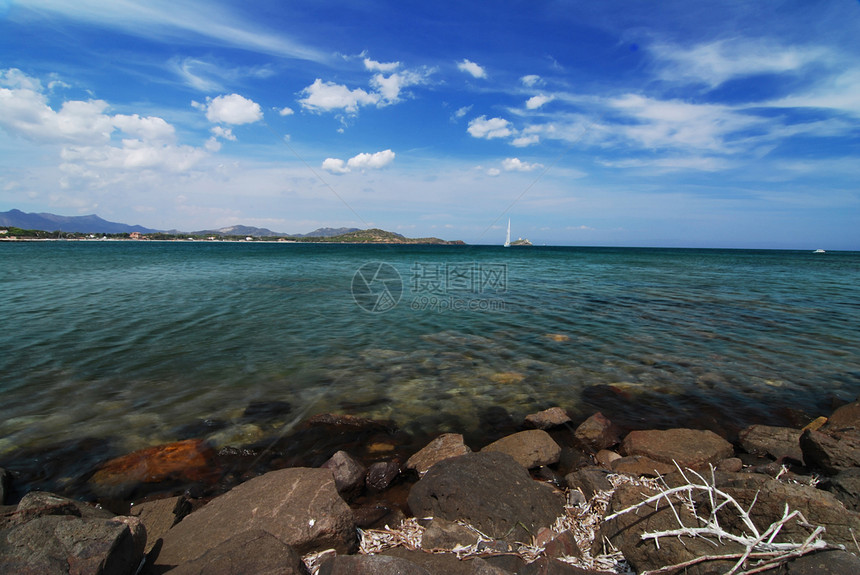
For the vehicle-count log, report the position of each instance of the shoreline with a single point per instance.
(566, 454)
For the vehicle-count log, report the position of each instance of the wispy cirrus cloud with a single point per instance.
(164, 20)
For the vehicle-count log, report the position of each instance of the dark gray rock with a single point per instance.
(42, 504)
(597, 432)
(299, 506)
(833, 451)
(254, 551)
(159, 516)
(777, 442)
(381, 474)
(589, 480)
(434, 563)
(63, 544)
(348, 474)
(531, 448)
(691, 448)
(490, 491)
(846, 487)
(370, 565)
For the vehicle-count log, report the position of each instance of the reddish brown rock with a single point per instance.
(832, 452)
(548, 418)
(778, 442)
(350, 422)
(562, 545)
(370, 565)
(605, 457)
(299, 506)
(255, 551)
(188, 460)
(159, 516)
(639, 465)
(845, 417)
(691, 448)
(597, 432)
(532, 448)
(443, 447)
(444, 534)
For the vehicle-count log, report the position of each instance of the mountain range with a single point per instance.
(93, 224)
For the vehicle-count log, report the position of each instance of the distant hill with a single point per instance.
(91, 224)
(377, 236)
(326, 232)
(239, 231)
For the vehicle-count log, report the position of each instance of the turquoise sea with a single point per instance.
(134, 340)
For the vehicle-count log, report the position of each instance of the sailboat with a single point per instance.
(508, 237)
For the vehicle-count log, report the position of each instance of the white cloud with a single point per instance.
(225, 133)
(375, 66)
(525, 140)
(717, 62)
(493, 128)
(471, 68)
(389, 87)
(363, 161)
(840, 93)
(327, 96)
(371, 161)
(536, 102)
(517, 165)
(493, 172)
(461, 112)
(286, 111)
(149, 128)
(531, 80)
(233, 109)
(335, 166)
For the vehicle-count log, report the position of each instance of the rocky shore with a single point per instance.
(553, 496)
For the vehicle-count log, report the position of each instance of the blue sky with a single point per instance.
(700, 124)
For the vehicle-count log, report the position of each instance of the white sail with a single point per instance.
(508, 237)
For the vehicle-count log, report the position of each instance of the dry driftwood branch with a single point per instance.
(758, 545)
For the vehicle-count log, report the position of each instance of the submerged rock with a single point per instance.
(489, 490)
(188, 460)
(5, 482)
(548, 418)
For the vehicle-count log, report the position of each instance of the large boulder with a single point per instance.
(531, 448)
(777, 442)
(833, 451)
(299, 506)
(64, 544)
(490, 491)
(626, 530)
(254, 551)
(690, 448)
(445, 446)
(845, 417)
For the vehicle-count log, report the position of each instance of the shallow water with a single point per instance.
(134, 340)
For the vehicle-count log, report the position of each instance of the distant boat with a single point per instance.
(818, 251)
(508, 237)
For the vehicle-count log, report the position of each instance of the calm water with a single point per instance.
(133, 340)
